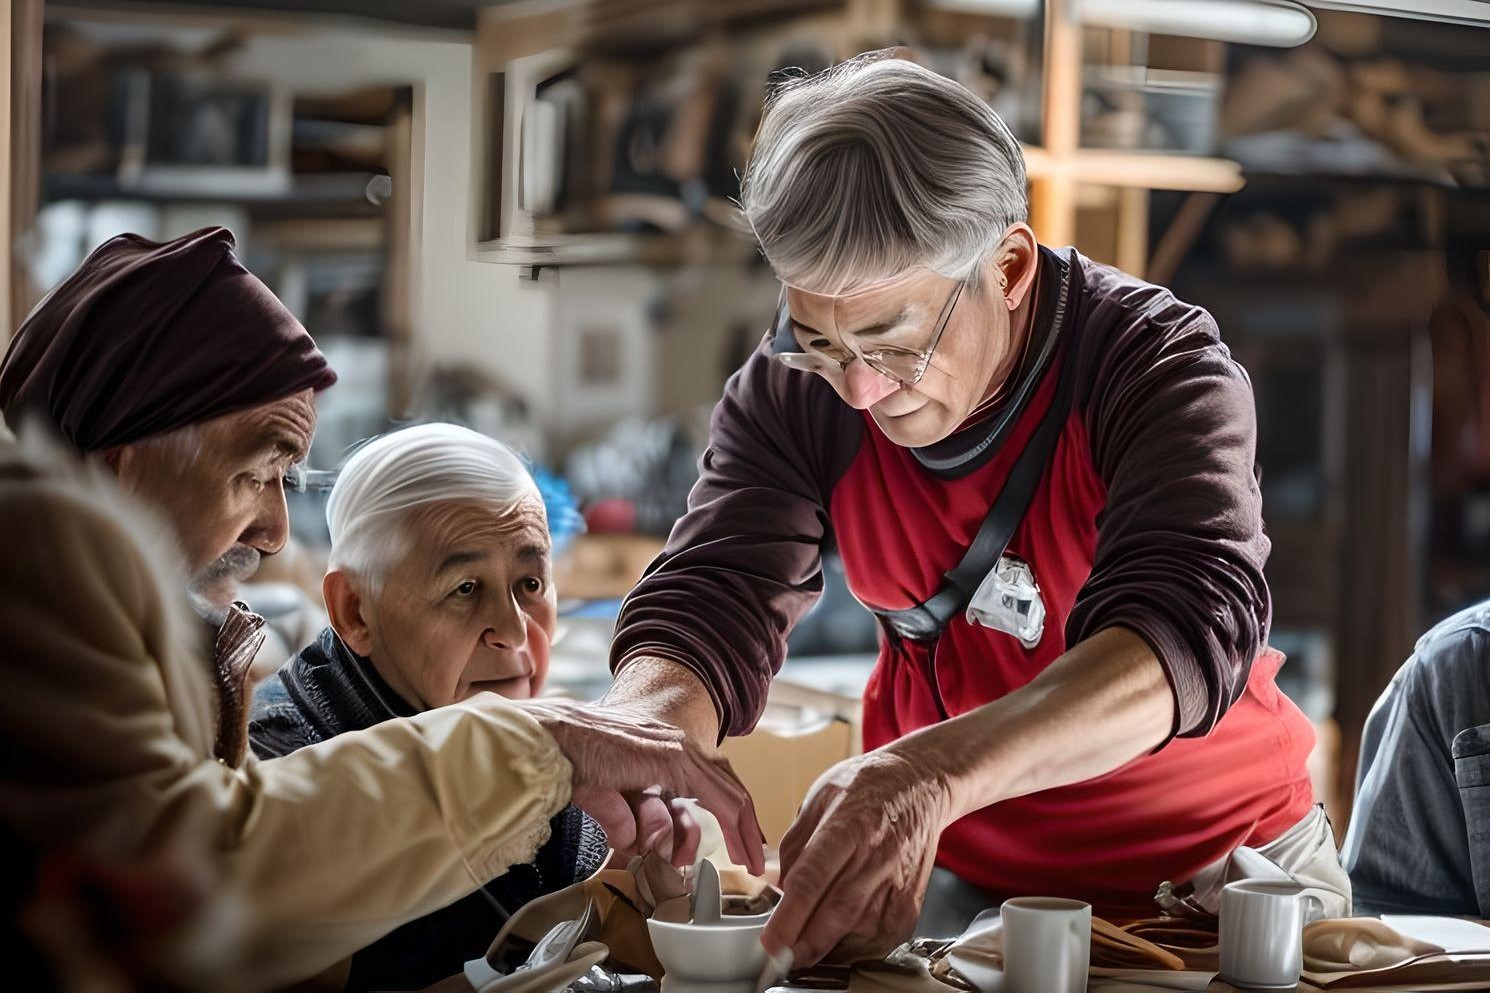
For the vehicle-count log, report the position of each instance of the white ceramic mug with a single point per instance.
(1262, 933)
(1047, 944)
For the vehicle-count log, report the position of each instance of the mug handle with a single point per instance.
(1313, 909)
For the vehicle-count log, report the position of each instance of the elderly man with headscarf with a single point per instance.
(177, 375)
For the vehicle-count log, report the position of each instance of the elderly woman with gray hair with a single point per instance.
(1039, 472)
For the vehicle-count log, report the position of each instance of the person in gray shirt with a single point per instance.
(1419, 840)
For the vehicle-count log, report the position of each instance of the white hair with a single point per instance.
(877, 166)
(397, 473)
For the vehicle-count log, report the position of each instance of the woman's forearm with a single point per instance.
(667, 691)
(1100, 705)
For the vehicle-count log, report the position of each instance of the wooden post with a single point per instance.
(1133, 230)
(1053, 195)
(398, 263)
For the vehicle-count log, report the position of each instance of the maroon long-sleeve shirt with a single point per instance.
(1149, 518)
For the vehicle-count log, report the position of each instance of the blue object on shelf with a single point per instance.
(564, 519)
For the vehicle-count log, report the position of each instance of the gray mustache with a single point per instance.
(238, 562)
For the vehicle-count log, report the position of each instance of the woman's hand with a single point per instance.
(629, 772)
(855, 863)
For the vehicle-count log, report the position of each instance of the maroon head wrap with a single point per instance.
(147, 337)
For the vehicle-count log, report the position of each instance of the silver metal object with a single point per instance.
(379, 189)
(602, 980)
(555, 947)
(708, 903)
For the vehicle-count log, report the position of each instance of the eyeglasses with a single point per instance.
(905, 366)
(302, 479)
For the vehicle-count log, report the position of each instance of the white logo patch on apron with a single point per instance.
(1008, 600)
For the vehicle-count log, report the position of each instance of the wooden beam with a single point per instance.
(1062, 97)
(1133, 230)
(399, 263)
(1053, 193)
(1139, 170)
(1153, 171)
(1389, 380)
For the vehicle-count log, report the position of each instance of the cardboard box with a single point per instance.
(780, 767)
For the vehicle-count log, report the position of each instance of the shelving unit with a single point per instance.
(516, 44)
(1124, 172)
(316, 187)
(1062, 166)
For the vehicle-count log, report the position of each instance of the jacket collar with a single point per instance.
(339, 690)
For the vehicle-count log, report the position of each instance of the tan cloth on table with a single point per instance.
(1357, 953)
(107, 731)
(1344, 953)
(1305, 854)
(1360, 954)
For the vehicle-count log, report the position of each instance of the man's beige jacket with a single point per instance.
(107, 727)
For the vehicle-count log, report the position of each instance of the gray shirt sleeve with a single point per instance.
(1408, 849)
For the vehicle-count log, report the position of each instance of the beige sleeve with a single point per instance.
(104, 744)
(337, 844)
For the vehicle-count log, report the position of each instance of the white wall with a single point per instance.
(523, 332)
(615, 301)
(464, 311)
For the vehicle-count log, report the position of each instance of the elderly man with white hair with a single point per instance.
(1039, 473)
(439, 588)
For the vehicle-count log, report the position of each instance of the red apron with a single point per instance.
(1112, 840)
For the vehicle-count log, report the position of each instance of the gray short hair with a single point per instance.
(877, 166)
(393, 475)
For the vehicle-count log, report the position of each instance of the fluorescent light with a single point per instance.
(1249, 22)
(1471, 12)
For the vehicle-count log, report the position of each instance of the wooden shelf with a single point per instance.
(1157, 171)
(1088, 167)
(1150, 171)
(219, 186)
(320, 234)
(614, 248)
(1140, 170)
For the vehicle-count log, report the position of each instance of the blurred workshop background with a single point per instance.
(519, 216)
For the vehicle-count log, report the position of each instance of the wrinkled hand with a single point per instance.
(629, 773)
(855, 863)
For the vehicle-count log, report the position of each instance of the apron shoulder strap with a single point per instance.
(925, 621)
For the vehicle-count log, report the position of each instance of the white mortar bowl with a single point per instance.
(727, 952)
